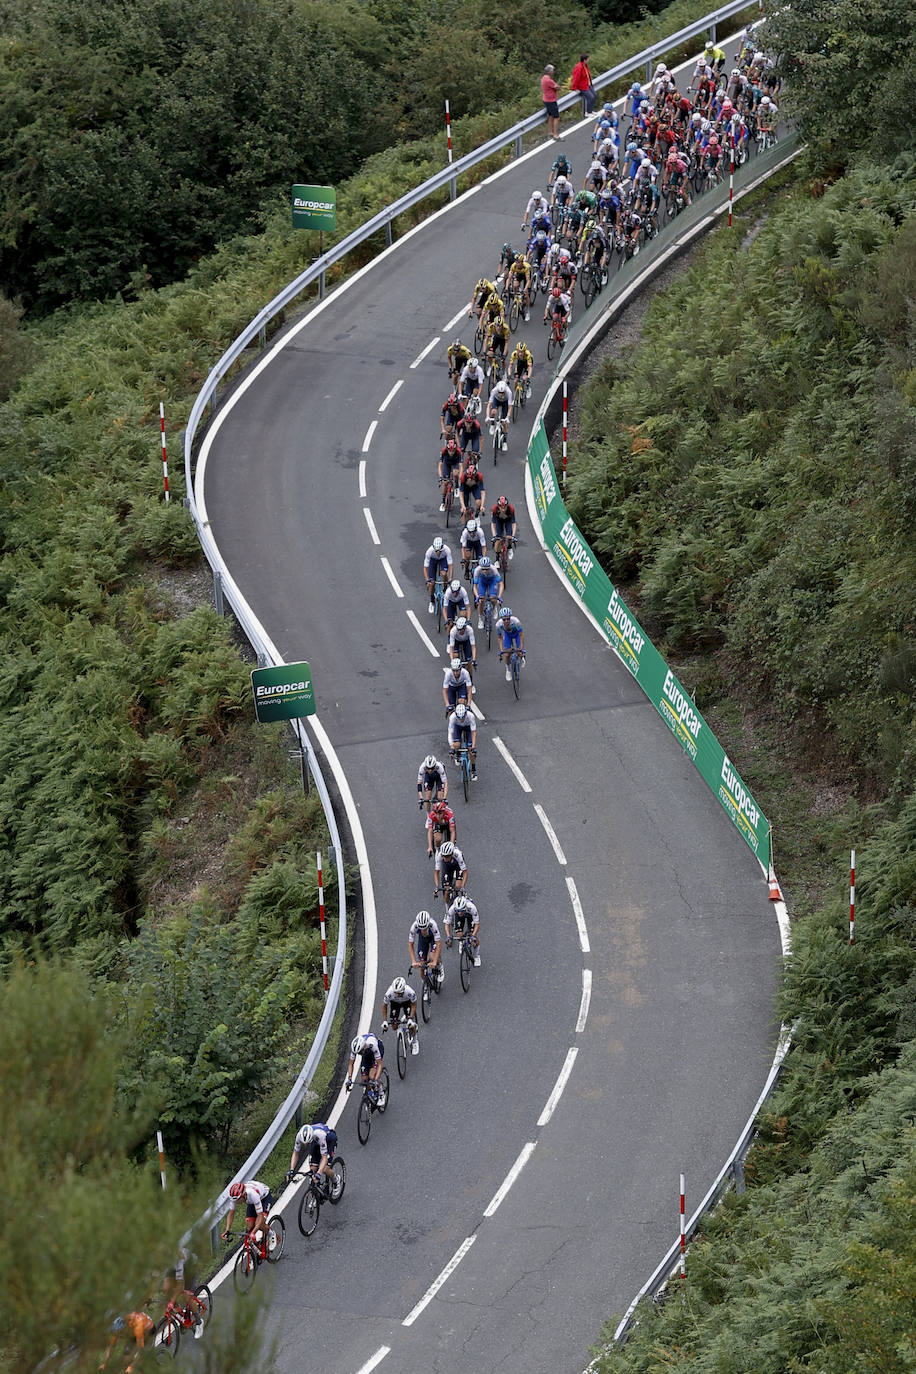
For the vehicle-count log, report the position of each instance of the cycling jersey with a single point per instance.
(562, 190)
(256, 1197)
(450, 457)
(407, 999)
(501, 395)
(428, 777)
(373, 1053)
(471, 378)
(432, 930)
(471, 482)
(521, 270)
(534, 206)
(461, 642)
(469, 914)
(506, 516)
(323, 1142)
(454, 864)
(475, 542)
(435, 562)
(458, 688)
(455, 603)
(469, 433)
(444, 817)
(521, 360)
(486, 582)
(510, 634)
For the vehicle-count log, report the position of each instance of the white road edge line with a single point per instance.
(462, 313)
(579, 915)
(391, 395)
(369, 433)
(371, 523)
(434, 1287)
(477, 711)
(412, 617)
(428, 349)
(519, 775)
(362, 479)
(558, 1087)
(586, 999)
(550, 832)
(375, 1360)
(390, 575)
(511, 1176)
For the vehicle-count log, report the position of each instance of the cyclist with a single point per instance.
(449, 461)
(471, 379)
(400, 1004)
(497, 339)
(463, 912)
(134, 1327)
(461, 643)
(370, 1052)
(482, 291)
(503, 525)
(493, 310)
(462, 729)
(319, 1142)
(456, 686)
(488, 586)
(455, 602)
(432, 781)
(175, 1284)
(520, 280)
(561, 168)
(437, 562)
(565, 272)
(521, 365)
(471, 490)
(473, 543)
(559, 306)
(450, 865)
(595, 177)
(498, 409)
(511, 636)
(507, 257)
(258, 1202)
(536, 206)
(597, 249)
(675, 176)
(469, 434)
(424, 943)
(457, 354)
(563, 192)
(714, 57)
(440, 824)
(451, 413)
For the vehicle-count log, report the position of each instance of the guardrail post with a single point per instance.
(518, 146)
(649, 71)
(262, 336)
(453, 189)
(712, 33)
(214, 1238)
(738, 1171)
(321, 286)
(388, 233)
(218, 592)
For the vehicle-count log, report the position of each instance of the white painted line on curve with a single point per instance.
(550, 832)
(511, 1176)
(462, 314)
(558, 1087)
(362, 478)
(391, 395)
(375, 1361)
(428, 349)
(511, 166)
(371, 523)
(586, 999)
(434, 1287)
(390, 575)
(369, 433)
(412, 617)
(579, 915)
(519, 775)
(477, 711)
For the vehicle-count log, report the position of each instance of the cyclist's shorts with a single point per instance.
(431, 779)
(315, 1150)
(424, 944)
(367, 1058)
(502, 405)
(472, 440)
(266, 1203)
(502, 526)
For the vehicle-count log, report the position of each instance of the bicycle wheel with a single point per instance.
(338, 1180)
(516, 676)
(488, 625)
(466, 777)
(478, 339)
(513, 314)
(495, 444)
(426, 1000)
(363, 1119)
(464, 966)
(438, 609)
(276, 1238)
(308, 1211)
(671, 204)
(551, 344)
(168, 1335)
(402, 1052)
(385, 1088)
(203, 1312)
(503, 569)
(449, 501)
(516, 402)
(244, 1270)
(587, 284)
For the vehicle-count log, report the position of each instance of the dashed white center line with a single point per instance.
(578, 913)
(375, 1361)
(434, 1287)
(477, 711)
(428, 349)
(371, 523)
(462, 314)
(511, 1176)
(412, 617)
(558, 1087)
(550, 832)
(586, 998)
(520, 777)
(362, 478)
(390, 575)
(391, 395)
(369, 433)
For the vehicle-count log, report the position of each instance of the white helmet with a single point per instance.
(430, 762)
(305, 1136)
(461, 710)
(455, 585)
(473, 364)
(398, 987)
(460, 622)
(471, 526)
(423, 917)
(438, 543)
(357, 1045)
(537, 196)
(446, 850)
(456, 664)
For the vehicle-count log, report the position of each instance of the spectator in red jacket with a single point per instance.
(549, 92)
(581, 81)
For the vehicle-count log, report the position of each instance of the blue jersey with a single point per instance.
(510, 634)
(486, 581)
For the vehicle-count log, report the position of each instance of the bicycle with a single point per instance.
(254, 1252)
(438, 593)
(312, 1198)
(487, 616)
(466, 955)
(184, 1315)
(374, 1099)
(516, 662)
(557, 335)
(502, 546)
(519, 396)
(499, 432)
(448, 497)
(402, 1045)
(464, 763)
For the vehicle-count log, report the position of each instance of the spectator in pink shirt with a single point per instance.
(549, 92)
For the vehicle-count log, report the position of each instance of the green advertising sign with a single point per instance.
(638, 654)
(283, 693)
(314, 207)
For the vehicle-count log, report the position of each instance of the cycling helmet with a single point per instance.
(423, 917)
(455, 585)
(564, 257)
(604, 125)
(452, 399)
(505, 613)
(118, 1324)
(306, 1136)
(399, 987)
(461, 903)
(473, 363)
(542, 236)
(607, 107)
(454, 664)
(357, 1045)
(472, 470)
(460, 622)
(430, 761)
(447, 849)
(660, 68)
(556, 293)
(485, 562)
(438, 543)
(537, 196)
(451, 445)
(461, 710)
(504, 500)
(471, 526)
(237, 1190)
(632, 147)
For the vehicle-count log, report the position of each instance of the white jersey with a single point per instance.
(409, 995)
(255, 1193)
(564, 300)
(455, 726)
(470, 911)
(477, 538)
(444, 556)
(319, 1138)
(475, 374)
(432, 929)
(536, 206)
(439, 771)
(456, 636)
(459, 598)
(562, 188)
(457, 861)
(461, 681)
(501, 394)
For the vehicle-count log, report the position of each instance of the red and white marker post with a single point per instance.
(565, 416)
(448, 131)
(683, 1235)
(324, 939)
(852, 896)
(161, 1159)
(165, 465)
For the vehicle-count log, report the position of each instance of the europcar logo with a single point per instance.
(300, 204)
(680, 713)
(623, 632)
(545, 488)
(281, 689)
(739, 803)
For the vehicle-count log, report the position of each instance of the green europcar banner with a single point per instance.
(283, 693)
(314, 207)
(637, 653)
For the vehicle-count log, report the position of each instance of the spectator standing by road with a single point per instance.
(581, 81)
(549, 92)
